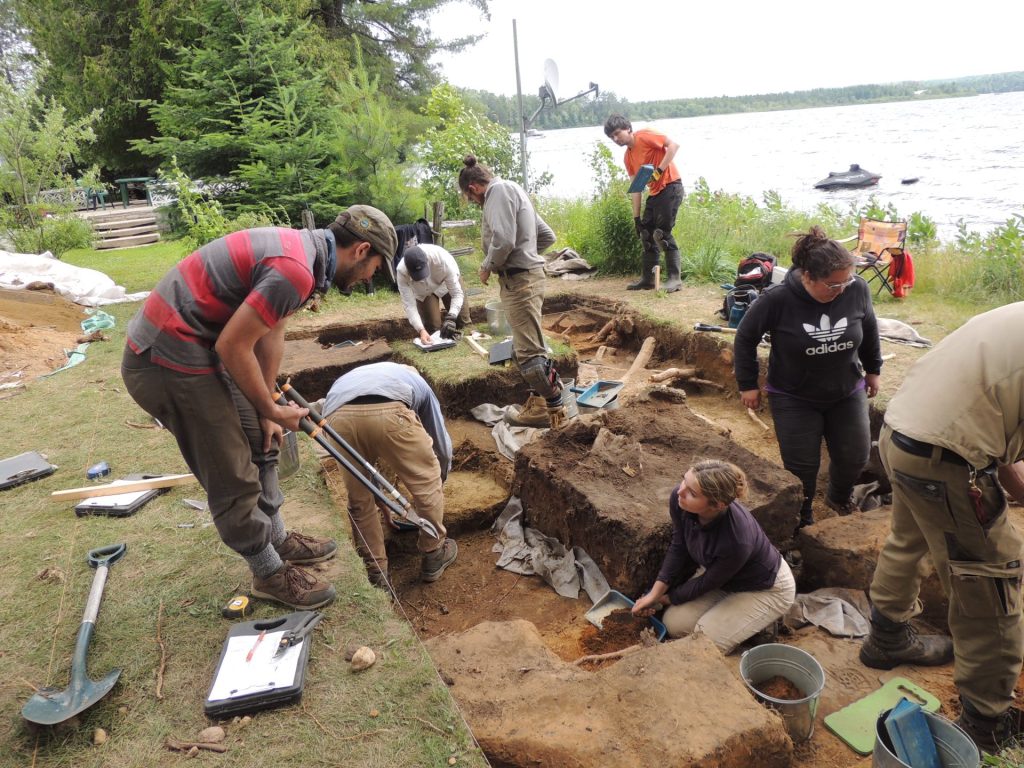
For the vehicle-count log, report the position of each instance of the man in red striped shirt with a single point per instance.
(202, 356)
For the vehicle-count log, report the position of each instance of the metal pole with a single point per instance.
(522, 112)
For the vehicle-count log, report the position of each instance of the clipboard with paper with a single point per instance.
(251, 674)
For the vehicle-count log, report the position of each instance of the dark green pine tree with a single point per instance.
(246, 102)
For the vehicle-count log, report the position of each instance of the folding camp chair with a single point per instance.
(877, 243)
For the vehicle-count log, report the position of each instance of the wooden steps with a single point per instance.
(124, 227)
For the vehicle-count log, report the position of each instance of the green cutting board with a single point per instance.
(855, 723)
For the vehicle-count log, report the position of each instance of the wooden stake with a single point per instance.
(112, 489)
(657, 278)
(477, 348)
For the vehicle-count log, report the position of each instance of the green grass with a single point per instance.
(137, 269)
(181, 576)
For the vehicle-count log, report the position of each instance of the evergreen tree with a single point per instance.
(106, 54)
(396, 41)
(246, 101)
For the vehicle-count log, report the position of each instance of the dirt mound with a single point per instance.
(35, 329)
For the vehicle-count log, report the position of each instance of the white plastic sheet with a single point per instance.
(87, 287)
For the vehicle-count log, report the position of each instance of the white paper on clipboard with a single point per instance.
(237, 677)
(436, 342)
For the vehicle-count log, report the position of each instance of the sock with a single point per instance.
(277, 531)
(265, 562)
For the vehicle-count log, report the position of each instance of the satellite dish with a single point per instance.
(550, 80)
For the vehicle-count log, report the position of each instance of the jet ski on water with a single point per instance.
(852, 179)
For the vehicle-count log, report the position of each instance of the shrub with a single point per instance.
(56, 234)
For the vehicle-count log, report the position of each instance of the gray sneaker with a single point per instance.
(435, 562)
(294, 587)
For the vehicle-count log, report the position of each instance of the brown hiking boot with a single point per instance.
(294, 587)
(435, 562)
(842, 508)
(991, 734)
(302, 550)
(891, 643)
(533, 414)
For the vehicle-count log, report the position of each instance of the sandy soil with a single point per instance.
(35, 329)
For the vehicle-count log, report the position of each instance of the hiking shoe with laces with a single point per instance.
(294, 587)
(991, 734)
(300, 549)
(534, 413)
(842, 508)
(434, 563)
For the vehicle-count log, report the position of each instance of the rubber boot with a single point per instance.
(646, 281)
(989, 733)
(674, 261)
(891, 643)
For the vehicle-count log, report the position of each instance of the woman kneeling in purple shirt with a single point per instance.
(721, 576)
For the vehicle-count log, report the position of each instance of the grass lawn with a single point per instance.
(160, 619)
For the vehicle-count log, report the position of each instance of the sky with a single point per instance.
(666, 49)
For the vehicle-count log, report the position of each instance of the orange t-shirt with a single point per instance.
(649, 149)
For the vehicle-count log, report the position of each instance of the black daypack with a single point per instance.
(753, 275)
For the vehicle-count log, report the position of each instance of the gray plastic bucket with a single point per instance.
(956, 749)
(765, 662)
(497, 321)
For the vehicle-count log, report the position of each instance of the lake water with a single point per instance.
(968, 154)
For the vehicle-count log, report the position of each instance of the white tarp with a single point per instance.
(87, 287)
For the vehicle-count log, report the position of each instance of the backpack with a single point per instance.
(753, 275)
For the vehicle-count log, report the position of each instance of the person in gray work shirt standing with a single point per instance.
(387, 412)
(514, 236)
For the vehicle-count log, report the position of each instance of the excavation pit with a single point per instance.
(508, 645)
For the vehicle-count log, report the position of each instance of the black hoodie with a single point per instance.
(815, 346)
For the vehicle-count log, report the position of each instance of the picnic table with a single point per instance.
(136, 181)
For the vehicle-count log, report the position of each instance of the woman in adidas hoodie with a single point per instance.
(825, 362)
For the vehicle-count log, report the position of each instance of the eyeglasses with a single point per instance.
(839, 286)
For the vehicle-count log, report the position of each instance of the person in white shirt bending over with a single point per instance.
(428, 277)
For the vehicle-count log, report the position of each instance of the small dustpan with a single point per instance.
(613, 600)
(599, 394)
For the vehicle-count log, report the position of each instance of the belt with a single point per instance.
(918, 448)
(370, 400)
(511, 271)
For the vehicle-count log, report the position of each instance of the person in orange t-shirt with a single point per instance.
(649, 147)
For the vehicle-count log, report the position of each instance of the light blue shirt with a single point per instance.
(401, 383)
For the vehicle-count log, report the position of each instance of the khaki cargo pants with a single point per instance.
(389, 433)
(522, 297)
(978, 563)
(429, 308)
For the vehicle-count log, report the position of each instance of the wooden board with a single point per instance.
(110, 489)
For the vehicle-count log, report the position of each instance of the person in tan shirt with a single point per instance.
(952, 445)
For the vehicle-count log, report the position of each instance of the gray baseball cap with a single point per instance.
(374, 227)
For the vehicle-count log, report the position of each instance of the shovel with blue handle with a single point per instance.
(49, 706)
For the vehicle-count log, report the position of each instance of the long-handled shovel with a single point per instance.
(315, 424)
(49, 706)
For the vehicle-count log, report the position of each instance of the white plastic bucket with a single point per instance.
(801, 669)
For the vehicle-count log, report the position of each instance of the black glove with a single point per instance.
(638, 227)
(448, 328)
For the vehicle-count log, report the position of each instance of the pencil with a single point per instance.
(248, 656)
